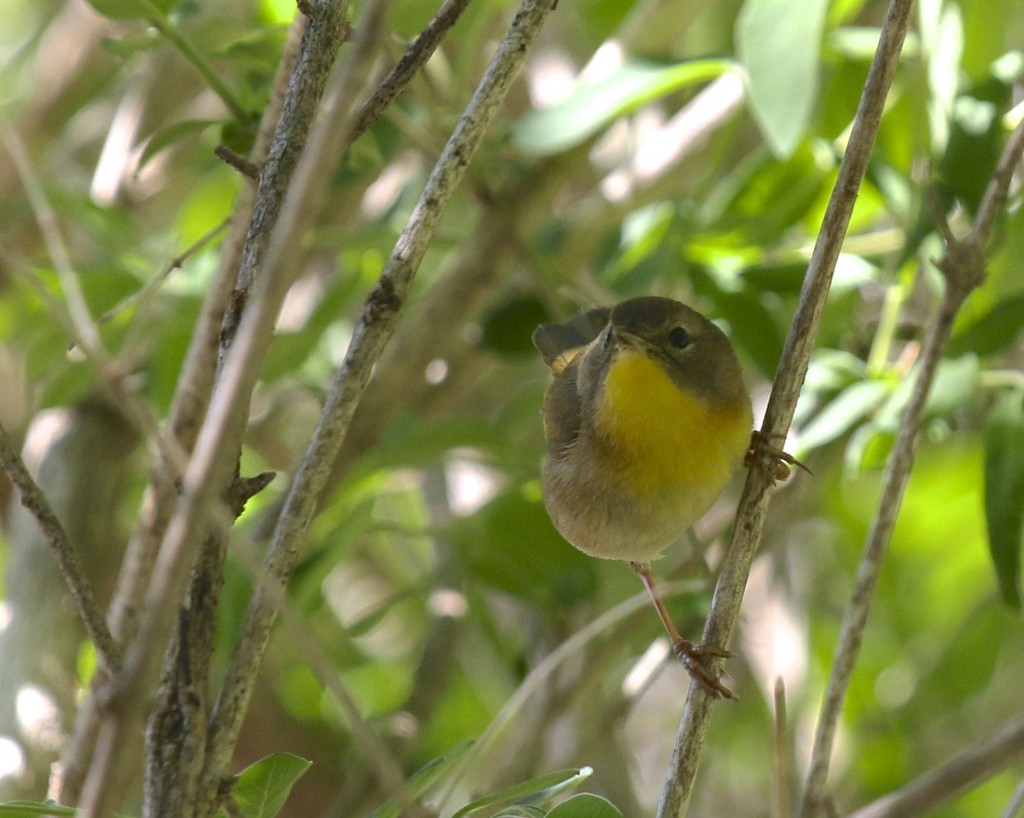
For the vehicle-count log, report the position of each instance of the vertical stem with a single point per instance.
(753, 506)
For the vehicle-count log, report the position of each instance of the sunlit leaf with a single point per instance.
(22, 809)
(585, 805)
(778, 42)
(1004, 491)
(593, 105)
(262, 788)
(848, 408)
(534, 787)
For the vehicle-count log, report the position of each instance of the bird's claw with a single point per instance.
(770, 459)
(692, 657)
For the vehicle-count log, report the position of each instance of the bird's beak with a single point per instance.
(627, 340)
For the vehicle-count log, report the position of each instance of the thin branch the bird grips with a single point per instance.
(725, 605)
(963, 269)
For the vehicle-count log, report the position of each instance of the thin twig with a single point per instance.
(158, 280)
(74, 312)
(757, 491)
(33, 499)
(781, 754)
(291, 140)
(373, 330)
(571, 647)
(85, 328)
(242, 164)
(414, 58)
(388, 771)
(191, 398)
(963, 269)
(956, 776)
(209, 470)
(1016, 802)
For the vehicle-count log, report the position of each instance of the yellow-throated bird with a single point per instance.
(646, 422)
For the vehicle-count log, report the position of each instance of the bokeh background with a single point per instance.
(680, 148)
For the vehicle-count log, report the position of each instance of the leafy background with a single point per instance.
(679, 148)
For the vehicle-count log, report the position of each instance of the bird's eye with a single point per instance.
(679, 337)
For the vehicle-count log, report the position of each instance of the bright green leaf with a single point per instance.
(20, 809)
(525, 789)
(131, 9)
(778, 42)
(1004, 491)
(593, 105)
(120, 9)
(262, 788)
(520, 811)
(956, 382)
(848, 408)
(175, 132)
(585, 805)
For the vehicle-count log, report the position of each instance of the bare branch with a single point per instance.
(750, 517)
(931, 790)
(412, 61)
(33, 499)
(963, 268)
(209, 470)
(376, 324)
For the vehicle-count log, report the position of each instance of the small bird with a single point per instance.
(646, 422)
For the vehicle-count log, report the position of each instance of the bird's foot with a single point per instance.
(692, 656)
(770, 459)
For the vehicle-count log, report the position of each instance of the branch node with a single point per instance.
(243, 489)
(238, 162)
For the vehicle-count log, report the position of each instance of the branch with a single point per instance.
(373, 330)
(951, 779)
(415, 57)
(963, 268)
(208, 472)
(746, 532)
(33, 499)
(191, 398)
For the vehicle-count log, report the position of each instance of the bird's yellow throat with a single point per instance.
(664, 437)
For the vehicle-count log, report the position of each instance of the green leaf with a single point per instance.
(520, 811)
(129, 9)
(424, 778)
(1004, 491)
(956, 382)
(993, 331)
(510, 544)
(585, 805)
(18, 809)
(262, 788)
(778, 42)
(849, 407)
(524, 789)
(174, 132)
(593, 105)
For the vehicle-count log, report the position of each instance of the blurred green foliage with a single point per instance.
(432, 579)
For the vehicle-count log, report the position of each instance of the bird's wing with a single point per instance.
(560, 343)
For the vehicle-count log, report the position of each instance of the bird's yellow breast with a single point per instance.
(665, 438)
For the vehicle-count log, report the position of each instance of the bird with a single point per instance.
(646, 421)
